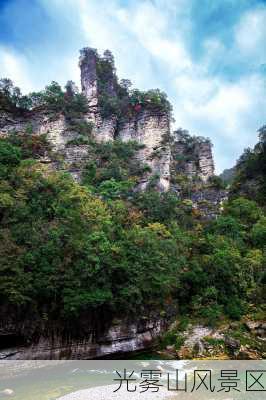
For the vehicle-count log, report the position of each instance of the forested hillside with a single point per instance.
(99, 249)
(250, 176)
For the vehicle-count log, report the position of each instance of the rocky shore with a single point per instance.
(107, 393)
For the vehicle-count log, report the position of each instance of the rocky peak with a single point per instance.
(98, 75)
(137, 119)
(116, 112)
(87, 64)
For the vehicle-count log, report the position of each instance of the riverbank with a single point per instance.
(107, 393)
(235, 340)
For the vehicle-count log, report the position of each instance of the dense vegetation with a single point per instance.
(52, 99)
(117, 98)
(250, 171)
(69, 250)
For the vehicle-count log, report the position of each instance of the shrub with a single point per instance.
(217, 183)
(80, 140)
(247, 211)
(234, 308)
(258, 232)
(10, 155)
(30, 145)
(212, 314)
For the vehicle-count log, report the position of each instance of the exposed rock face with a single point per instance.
(104, 129)
(193, 341)
(59, 133)
(209, 201)
(146, 128)
(193, 158)
(164, 156)
(39, 122)
(257, 328)
(87, 64)
(120, 338)
(206, 164)
(149, 129)
(202, 342)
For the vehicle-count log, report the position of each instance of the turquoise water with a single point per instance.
(51, 383)
(34, 381)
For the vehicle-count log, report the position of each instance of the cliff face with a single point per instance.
(59, 133)
(104, 128)
(163, 152)
(191, 156)
(122, 337)
(148, 128)
(145, 127)
(88, 75)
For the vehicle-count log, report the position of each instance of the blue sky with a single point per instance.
(209, 56)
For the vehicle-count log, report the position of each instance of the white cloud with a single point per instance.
(15, 67)
(150, 25)
(229, 114)
(29, 75)
(250, 34)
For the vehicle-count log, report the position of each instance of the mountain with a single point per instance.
(113, 226)
(110, 111)
(228, 175)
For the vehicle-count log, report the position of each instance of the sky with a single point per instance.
(209, 56)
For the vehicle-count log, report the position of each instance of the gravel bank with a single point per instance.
(106, 393)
